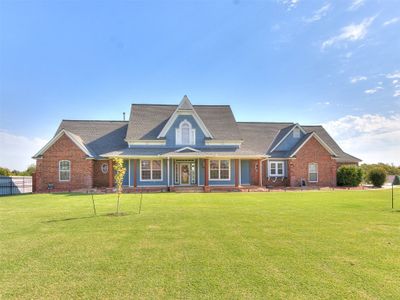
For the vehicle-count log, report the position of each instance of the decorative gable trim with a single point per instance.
(146, 142)
(313, 134)
(184, 108)
(187, 148)
(297, 125)
(74, 138)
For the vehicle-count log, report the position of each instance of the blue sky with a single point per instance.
(335, 63)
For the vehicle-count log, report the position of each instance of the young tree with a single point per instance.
(120, 170)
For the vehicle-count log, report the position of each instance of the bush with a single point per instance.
(396, 180)
(349, 175)
(377, 176)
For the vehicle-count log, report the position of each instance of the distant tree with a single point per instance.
(349, 175)
(120, 170)
(30, 170)
(5, 172)
(390, 169)
(377, 176)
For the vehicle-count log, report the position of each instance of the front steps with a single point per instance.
(187, 189)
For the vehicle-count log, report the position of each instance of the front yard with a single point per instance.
(343, 244)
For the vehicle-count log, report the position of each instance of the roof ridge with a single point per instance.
(80, 120)
(163, 104)
(254, 122)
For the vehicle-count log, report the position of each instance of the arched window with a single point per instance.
(185, 135)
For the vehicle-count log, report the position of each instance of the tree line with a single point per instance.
(28, 172)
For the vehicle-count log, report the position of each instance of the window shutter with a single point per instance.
(178, 136)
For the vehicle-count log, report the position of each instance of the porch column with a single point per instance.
(236, 172)
(206, 175)
(110, 174)
(135, 174)
(260, 172)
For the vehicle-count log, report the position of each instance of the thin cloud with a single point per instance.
(352, 32)
(396, 93)
(393, 75)
(376, 136)
(373, 91)
(290, 4)
(356, 4)
(391, 21)
(356, 79)
(318, 14)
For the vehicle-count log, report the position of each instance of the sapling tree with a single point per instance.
(120, 170)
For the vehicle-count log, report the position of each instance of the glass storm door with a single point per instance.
(185, 174)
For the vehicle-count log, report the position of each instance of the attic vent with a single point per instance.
(296, 133)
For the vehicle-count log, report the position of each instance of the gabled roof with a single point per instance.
(184, 107)
(147, 121)
(304, 141)
(74, 138)
(97, 137)
(283, 134)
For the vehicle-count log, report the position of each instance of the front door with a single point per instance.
(185, 174)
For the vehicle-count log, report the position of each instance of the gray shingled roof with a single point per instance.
(98, 136)
(147, 121)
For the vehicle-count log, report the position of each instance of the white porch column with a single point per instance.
(168, 172)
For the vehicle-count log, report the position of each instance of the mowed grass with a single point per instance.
(302, 245)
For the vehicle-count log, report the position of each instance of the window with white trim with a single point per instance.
(276, 168)
(64, 170)
(185, 134)
(313, 172)
(150, 169)
(220, 169)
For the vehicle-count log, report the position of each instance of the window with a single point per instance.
(296, 132)
(104, 168)
(220, 169)
(313, 172)
(64, 170)
(150, 170)
(185, 135)
(276, 168)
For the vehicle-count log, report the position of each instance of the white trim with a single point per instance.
(179, 137)
(59, 171)
(145, 142)
(319, 140)
(219, 170)
(308, 172)
(179, 111)
(187, 148)
(287, 134)
(101, 168)
(276, 162)
(224, 142)
(151, 170)
(56, 138)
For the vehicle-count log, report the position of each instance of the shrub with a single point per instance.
(349, 175)
(377, 176)
(396, 180)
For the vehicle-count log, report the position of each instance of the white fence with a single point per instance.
(14, 185)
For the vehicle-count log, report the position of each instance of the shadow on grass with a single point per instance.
(121, 214)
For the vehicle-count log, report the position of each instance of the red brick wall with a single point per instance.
(99, 178)
(47, 167)
(313, 152)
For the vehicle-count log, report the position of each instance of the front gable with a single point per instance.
(184, 108)
(291, 139)
(189, 124)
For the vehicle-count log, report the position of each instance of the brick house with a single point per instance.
(170, 146)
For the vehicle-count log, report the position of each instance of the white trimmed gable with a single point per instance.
(185, 108)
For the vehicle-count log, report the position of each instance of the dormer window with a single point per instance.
(185, 134)
(296, 133)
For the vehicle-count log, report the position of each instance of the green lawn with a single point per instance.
(302, 245)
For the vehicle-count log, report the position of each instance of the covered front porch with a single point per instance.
(179, 173)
